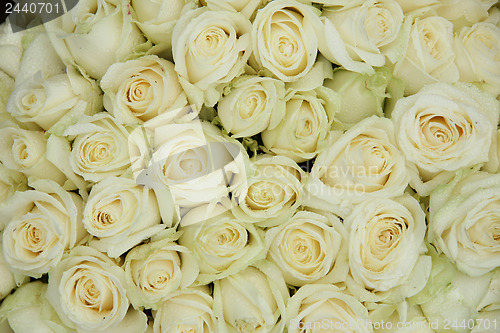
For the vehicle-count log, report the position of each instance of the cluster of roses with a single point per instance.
(251, 166)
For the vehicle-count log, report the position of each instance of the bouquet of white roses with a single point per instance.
(251, 166)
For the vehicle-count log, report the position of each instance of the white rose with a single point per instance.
(11, 49)
(360, 35)
(470, 11)
(209, 48)
(140, 89)
(364, 162)
(222, 245)
(309, 248)
(10, 182)
(252, 105)
(27, 311)
(8, 282)
(422, 6)
(121, 214)
(157, 18)
(363, 95)
(308, 119)
(444, 128)
(155, 270)
(246, 7)
(95, 34)
(24, 150)
(325, 306)
(100, 148)
(40, 225)
(88, 292)
(463, 222)
(430, 55)
(58, 100)
(477, 57)
(284, 39)
(189, 310)
(386, 241)
(252, 300)
(190, 157)
(272, 194)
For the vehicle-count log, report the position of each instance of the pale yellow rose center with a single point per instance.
(303, 250)
(139, 95)
(224, 240)
(263, 195)
(32, 101)
(31, 236)
(210, 42)
(246, 326)
(99, 151)
(252, 104)
(378, 24)
(485, 231)
(441, 133)
(22, 153)
(92, 292)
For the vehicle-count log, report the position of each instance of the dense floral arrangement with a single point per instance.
(252, 166)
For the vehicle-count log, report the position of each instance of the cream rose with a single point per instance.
(284, 39)
(444, 128)
(55, 102)
(310, 247)
(10, 182)
(209, 48)
(40, 225)
(189, 310)
(222, 245)
(140, 89)
(386, 241)
(477, 55)
(191, 157)
(463, 222)
(155, 270)
(100, 147)
(466, 11)
(95, 34)
(121, 214)
(11, 50)
(325, 307)
(430, 54)
(360, 35)
(27, 310)
(24, 150)
(88, 292)
(157, 18)
(272, 193)
(364, 162)
(251, 105)
(8, 282)
(246, 7)
(308, 119)
(252, 300)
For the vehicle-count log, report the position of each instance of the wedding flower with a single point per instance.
(87, 290)
(360, 35)
(252, 300)
(27, 310)
(325, 306)
(363, 163)
(222, 245)
(463, 222)
(24, 150)
(246, 7)
(140, 89)
(272, 194)
(362, 95)
(477, 55)
(96, 34)
(308, 119)
(58, 100)
(386, 241)
(10, 182)
(209, 48)
(189, 310)
(465, 10)
(100, 148)
(121, 214)
(309, 248)
(8, 282)
(157, 269)
(157, 18)
(190, 157)
(252, 105)
(284, 39)
(430, 55)
(40, 225)
(444, 128)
